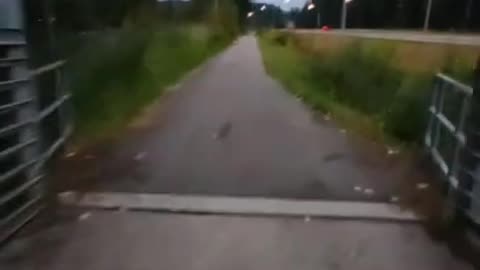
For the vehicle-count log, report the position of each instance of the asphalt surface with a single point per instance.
(415, 36)
(149, 241)
(232, 130)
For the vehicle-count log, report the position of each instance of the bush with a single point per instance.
(276, 37)
(117, 72)
(356, 81)
(281, 38)
(406, 117)
(365, 80)
(122, 64)
(106, 68)
(458, 69)
(359, 77)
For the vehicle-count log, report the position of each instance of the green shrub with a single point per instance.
(356, 82)
(104, 70)
(358, 77)
(457, 68)
(406, 117)
(277, 37)
(281, 38)
(117, 72)
(366, 81)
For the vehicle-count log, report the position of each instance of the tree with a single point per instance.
(243, 7)
(404, 14)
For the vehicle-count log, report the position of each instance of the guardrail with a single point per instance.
(453, 142)
(447, 127)
(26, 125)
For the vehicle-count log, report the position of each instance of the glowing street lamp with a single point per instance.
(312, 6)
(250, 14)
(263, 8)
(344, 13)
(427, 15)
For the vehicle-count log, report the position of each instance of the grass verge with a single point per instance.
(358, 84)
(116, 74)
(294, 70)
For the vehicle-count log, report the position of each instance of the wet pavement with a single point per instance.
(230, 129)
(124, 240)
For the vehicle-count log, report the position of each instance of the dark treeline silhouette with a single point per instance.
(458, 15)
(445, 15)
(51, 20)
(271, 16)
(85, 15)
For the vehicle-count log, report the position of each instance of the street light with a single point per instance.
(311, 6)
(344, 13)
(263, 8)
(426, 25)
(250, 14)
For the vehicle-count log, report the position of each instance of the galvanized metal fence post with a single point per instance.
(451, 140)
(470, 161)
(24, 145)
(19, 179)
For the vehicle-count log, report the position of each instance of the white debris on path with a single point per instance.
(307, 219)
(67, 197)
(70, 154)
(358, 189)
(140, 156)
(369, 191)
(392, 151)
(422, 186)
(84, 216)
(394, 199)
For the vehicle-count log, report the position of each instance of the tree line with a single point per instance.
(84, 15)
(51, 22)
(410, 14)
(458, 15)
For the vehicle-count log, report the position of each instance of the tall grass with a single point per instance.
(359, 84)
(117, 72)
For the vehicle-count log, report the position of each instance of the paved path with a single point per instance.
(232, 130)
(152, 241)
(416, 36)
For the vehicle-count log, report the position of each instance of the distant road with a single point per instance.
(442, 38)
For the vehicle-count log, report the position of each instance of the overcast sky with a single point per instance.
(291, 4)
(281, 3)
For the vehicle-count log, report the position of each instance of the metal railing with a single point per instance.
(445, 137)
(24, 146)
(451, 140)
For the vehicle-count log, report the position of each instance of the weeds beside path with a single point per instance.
(359, 83)
(117, 74)
(232, 130)
(351, 89)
